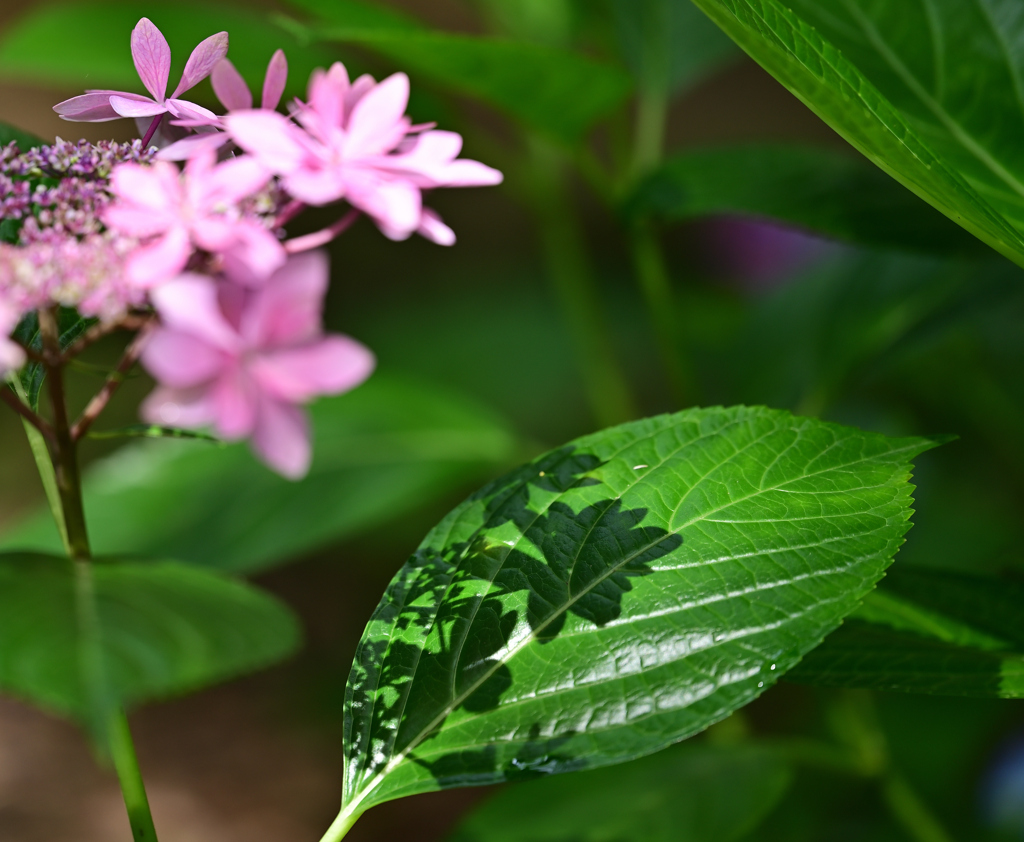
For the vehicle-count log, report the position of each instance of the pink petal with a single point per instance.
(181, 360)
(433, 228)
(192, 145)
(282, 439)
(187, 408)
(327, 95)
(230, 87)
(288, 308)
(430, 162)
(329, 366)
(136, 107)
(316, 185)
(396, 205)
(234, 399)
(202, 61)
(237, 179)
(191, 113)
(152, 58)
(255, 254)
(156, 188)
(377, 124)
(162, 259)
(274, 81)
(12, 356)
(88, 108)
(134, 221)
(190, 304)
(360, 88)
(269, 136)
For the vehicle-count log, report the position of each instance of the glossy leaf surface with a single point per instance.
(928, 631)
(617, 595)
(135, 631)
(819, 190)
(930, 92)
(379, 452)
(682, 794)
(550, 89)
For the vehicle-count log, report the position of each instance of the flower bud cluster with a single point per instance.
(194, 233)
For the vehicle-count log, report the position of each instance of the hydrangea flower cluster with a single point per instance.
(188, 240)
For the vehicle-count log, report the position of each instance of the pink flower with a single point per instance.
(152, 58)
(243, 360)
(234, 95)
(12, 355)
(180, 211)
(356, 143)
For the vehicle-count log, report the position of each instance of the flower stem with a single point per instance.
(656, 286)
(122, 750)
(108, 723)
(341, 825)
(572, 276)
(151, 130)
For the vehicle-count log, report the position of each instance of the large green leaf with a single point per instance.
(930, 92)
(683, 794)
(380, 452)
(928, 631)
(25, 140)
(553, 90)
(117, 633)
(87, 43)
(617, 595)
(817, 189)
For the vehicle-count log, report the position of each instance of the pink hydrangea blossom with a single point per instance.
(12, 356)
(234, 95)
(243, 360)
(152, 58)
(176, 212)
(356, 143)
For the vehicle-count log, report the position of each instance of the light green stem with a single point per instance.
(41, 454)
(572, 275)
(911, 812)
(341, 825)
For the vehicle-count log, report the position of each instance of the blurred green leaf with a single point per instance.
(553, 90)
(72, 641)
(379, 452)
(928, 92)
(820, 190)
(33, 374)
(682, 794)
(616, 595)
(25, 140)
(86, 44)
(928, 631)
(150, 431)
(669, 44)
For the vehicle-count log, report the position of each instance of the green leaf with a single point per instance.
(87, 43)
(553, 90)
(817, 189)
(379, 452)
(928, 631)
(115, 633)
(25, 140)
(668, 44)
(618, 595)
(927, 91)
(33, 374)
(683, 794)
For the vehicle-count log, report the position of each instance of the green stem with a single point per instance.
(122, 750)
(911, 812)
(109, 724)
(572, 276)
(341, 825)
(656, 286)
